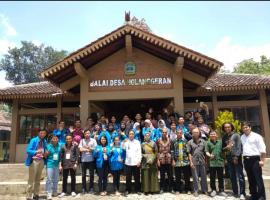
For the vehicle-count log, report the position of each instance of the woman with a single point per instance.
(117, 157)
(69, 163)
(158, 132)
(53, 159)
(148, 127)
(165, 160)
(149, 166)
(138, 132)
(101, 153)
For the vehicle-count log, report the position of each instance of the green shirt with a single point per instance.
(216, 150)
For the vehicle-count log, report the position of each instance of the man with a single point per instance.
(254, 152)
(87, 146)
(213, 149)
(35, 161)
(181, 162)
(195, 148)
(77, 133)
(231, 144)
(132, 162)
(60, 132)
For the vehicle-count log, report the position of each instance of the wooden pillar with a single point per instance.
(59, 109)
(265, 120)
(178, 85)
(14, 131)
(214, 106)
(84, 103)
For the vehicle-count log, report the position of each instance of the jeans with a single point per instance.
(236, 172)
(52, 180)
(116, 179)
(103, 177)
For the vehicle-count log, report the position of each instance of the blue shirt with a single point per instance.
(117, 157)
(61, 135)
(31, 149)
(146, 130)
(53, 157)
(100, 156)
(106, 134)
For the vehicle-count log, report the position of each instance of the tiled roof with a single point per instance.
(31, 90)
(226, 82)
(218, 82)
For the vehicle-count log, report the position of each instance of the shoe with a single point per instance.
(177, 193)
(213, 193)
(49, 196)
(105, 193)
(189, 193)
(196, 194)
(102, 193)
(242, 197)
(172, 191)
(83, 192)
(223, 194)
(139, 193)
(117, 193)
(161, 191)
(62, 195)
(73, 194)
(55, 194)
(91, 191)
(126, 193)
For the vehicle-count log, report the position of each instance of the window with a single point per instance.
(31, 124)
(249, 114)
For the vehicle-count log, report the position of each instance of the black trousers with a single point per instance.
(103, 177)
(165, 168)
(72, 173)
(116, 179)
(254, 174)
(185, 170)
(219, 172)
(91, 167)
(135, 172)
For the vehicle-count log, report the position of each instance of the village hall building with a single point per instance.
(125, 72)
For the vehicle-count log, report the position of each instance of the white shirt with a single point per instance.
(133, 152)
(253, 144)
(87, 156)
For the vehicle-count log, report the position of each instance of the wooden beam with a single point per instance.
(70, 83)
(179, 64)
(14, 131)
(128, 43)
(80, 70)
(193, 77)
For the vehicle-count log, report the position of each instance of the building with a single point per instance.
(127, 71)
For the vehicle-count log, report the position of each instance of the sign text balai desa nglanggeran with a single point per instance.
(131, 82)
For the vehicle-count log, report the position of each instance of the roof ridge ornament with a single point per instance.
(141, 24)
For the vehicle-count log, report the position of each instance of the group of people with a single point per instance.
(176, 147)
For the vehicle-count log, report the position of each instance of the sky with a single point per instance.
(227, 31)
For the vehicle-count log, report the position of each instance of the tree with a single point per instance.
(250, 66)
(226, 116)
(23, 65)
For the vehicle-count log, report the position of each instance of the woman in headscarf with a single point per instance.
(158, 132)
(149, 171)
(148, 127)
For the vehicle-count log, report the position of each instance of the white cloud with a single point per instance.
(3, 81)
(232, 53)
(4, 45)
(9, 29)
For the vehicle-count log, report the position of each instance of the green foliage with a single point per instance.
(5, 108)
(226, 116)
(23, 65)
(250, 66)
